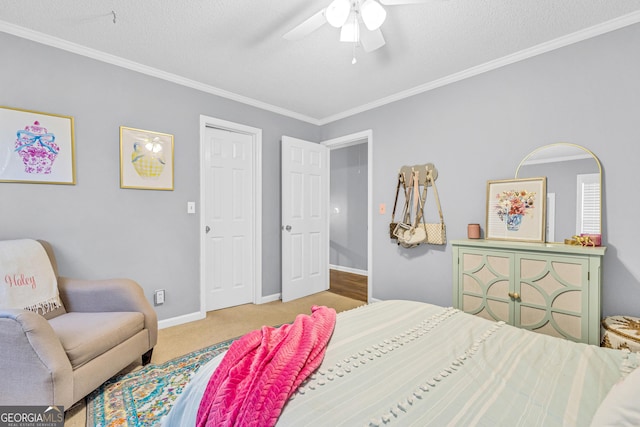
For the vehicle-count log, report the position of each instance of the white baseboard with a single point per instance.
(179, 320)
(192, 317)
(269, 298)
(349, 270)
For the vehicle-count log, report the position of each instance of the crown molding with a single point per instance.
(578, 36)
(48, 40)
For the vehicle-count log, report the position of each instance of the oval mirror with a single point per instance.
(574, 188)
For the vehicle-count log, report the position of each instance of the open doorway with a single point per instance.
(349, 218)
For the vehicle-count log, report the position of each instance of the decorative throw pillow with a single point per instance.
(620, 407)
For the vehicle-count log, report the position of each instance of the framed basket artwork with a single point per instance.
(36, 147)
(146, 159)
(516, 209)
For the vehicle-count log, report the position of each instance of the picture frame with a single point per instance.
(36, 147)
(516, 209)
(146, 159)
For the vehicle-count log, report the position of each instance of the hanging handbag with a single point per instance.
(436, 232)
(410, 236)
(405, 223)
(393, 224)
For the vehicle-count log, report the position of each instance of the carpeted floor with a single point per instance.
(221, 325)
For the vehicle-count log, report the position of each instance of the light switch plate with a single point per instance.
(383, 208)
(191, 207)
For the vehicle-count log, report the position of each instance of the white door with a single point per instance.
(228, 210)
(305, 225)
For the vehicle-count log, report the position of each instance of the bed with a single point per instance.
(408, 363)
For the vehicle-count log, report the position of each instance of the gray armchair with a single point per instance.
(60, 357)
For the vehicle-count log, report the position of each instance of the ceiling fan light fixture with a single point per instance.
(337, 12)
(373, 14)
(350, 31)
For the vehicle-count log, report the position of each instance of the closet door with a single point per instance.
(229, 236)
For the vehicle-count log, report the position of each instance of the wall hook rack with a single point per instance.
(406, 172)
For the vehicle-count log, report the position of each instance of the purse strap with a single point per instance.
(435, 191)
(416, 197)
(407, 196)
(395, 203)
(406, 213)
(423, 201)
(419, 203)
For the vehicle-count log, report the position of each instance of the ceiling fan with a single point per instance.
(350, 16)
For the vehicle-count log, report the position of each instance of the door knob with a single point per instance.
(287, 227)
(207, 229)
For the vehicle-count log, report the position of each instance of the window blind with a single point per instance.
(588, 212)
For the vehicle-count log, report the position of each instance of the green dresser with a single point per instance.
(549, 288)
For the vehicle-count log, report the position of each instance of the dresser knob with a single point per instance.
(514, 295)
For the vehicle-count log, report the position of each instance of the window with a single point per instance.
(588, 204)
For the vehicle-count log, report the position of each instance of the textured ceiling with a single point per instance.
(235, 47)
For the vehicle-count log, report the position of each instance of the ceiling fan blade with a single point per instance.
(400, 2)
(307, 27)
(371, 40)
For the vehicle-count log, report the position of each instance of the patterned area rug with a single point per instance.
(141, 398)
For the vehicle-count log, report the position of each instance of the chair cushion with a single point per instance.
(85, 336)
(53, 313)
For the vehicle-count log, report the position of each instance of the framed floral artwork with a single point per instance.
(146, 159)
(36, 147)
(516, 209)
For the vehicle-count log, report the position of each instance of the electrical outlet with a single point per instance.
(158, 297)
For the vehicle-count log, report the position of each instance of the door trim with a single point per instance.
(346, 141)
(256, 135)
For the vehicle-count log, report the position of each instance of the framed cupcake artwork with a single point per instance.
(36, 147)
(146, 159)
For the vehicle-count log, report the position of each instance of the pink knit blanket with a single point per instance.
(262, 369)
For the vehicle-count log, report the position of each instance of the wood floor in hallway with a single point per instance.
(348, 284)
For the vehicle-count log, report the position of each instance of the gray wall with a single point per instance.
(474, 130)
(480, 128)
(99, 230)
(348, 207)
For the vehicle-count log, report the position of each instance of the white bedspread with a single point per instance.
(409, 363)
